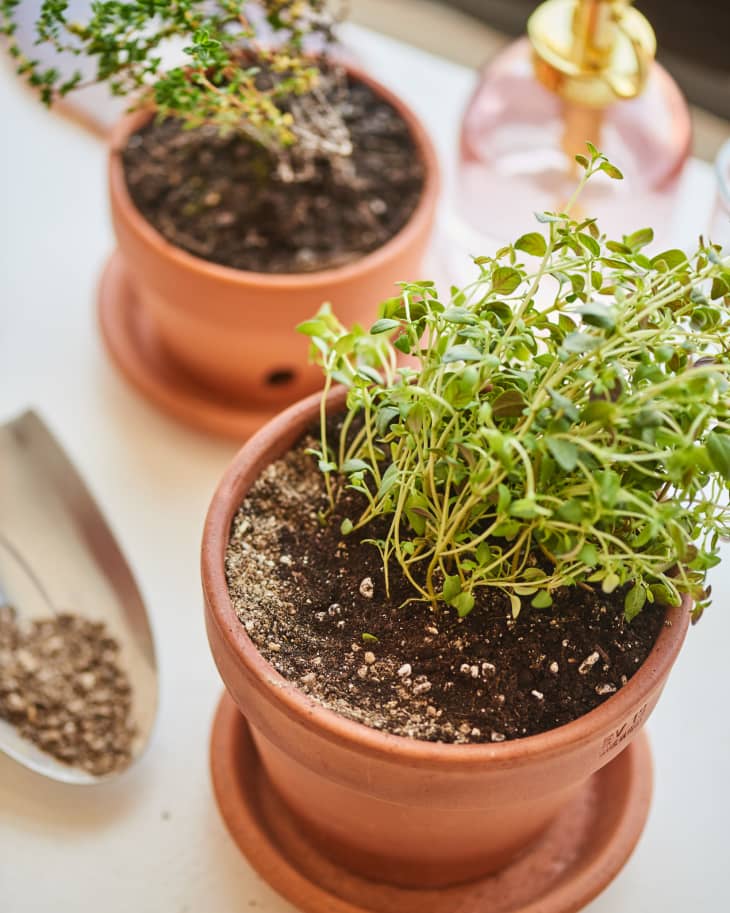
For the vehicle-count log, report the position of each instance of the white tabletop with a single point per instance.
(152, 842)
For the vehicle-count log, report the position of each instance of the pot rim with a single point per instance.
(257, 453)
(147, 234)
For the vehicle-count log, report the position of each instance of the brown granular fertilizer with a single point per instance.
(61, 686)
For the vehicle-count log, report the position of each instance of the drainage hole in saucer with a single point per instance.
(282, 377)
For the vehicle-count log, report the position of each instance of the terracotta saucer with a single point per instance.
(572, 863)
(136, 351)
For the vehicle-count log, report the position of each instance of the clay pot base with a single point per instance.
(136, 351)
(571, 863)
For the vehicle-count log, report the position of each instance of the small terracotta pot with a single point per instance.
(234, 330)
(404, 811)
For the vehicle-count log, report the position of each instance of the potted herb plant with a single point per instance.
(446, 596)
(247, 186)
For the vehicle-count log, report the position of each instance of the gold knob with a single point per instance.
(592, 52)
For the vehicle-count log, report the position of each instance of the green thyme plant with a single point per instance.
(229, 80)
(562, 421)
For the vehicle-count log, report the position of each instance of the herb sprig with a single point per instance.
(567, 420)
(221, 83)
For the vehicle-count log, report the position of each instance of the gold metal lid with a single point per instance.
(592, 52)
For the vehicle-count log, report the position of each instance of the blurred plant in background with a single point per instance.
(247, 68)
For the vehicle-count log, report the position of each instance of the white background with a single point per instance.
(152, 841)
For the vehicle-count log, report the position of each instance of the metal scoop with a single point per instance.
(58, 555)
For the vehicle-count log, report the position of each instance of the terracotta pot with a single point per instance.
(404, 811)
(234, 330)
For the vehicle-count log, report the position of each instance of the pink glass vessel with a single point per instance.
(514, 158)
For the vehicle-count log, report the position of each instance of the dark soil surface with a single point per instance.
(220, 198)
(306, 596)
